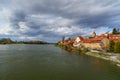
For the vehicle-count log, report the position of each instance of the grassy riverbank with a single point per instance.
(106, 56)
(114, 57)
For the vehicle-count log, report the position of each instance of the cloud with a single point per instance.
(51, 19)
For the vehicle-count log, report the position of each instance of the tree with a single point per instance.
(117, 47)
(6, 41)
(115, 31)
(111, 46)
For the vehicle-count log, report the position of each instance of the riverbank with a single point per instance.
(114, 57)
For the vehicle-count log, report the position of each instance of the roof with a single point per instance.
(81, 38)
(90, 40)
(114, 37)
(102, 36)
(94, 40)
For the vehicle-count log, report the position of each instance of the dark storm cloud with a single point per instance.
(17, 17)
(55, 18)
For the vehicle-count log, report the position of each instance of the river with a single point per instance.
(47, 62)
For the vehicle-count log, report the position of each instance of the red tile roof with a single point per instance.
(99, 38)
(114, 37)
(81, 38)
(94, 40)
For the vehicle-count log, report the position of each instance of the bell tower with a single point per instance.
(94, 34)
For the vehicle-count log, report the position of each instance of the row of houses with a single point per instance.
(94, 42)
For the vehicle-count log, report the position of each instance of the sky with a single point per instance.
(49, 20)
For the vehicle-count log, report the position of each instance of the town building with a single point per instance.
(96, 42)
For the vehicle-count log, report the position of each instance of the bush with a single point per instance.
(111, 46)
(117, 47)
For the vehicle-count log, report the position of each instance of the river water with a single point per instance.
(47, 62)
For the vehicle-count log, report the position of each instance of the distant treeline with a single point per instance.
(9, 41)
(35, 42)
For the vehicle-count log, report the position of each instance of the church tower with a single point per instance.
(93, 34)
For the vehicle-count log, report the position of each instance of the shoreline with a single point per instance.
(106, 56)
(113, 57)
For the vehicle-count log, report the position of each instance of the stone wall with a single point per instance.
(92, 45)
